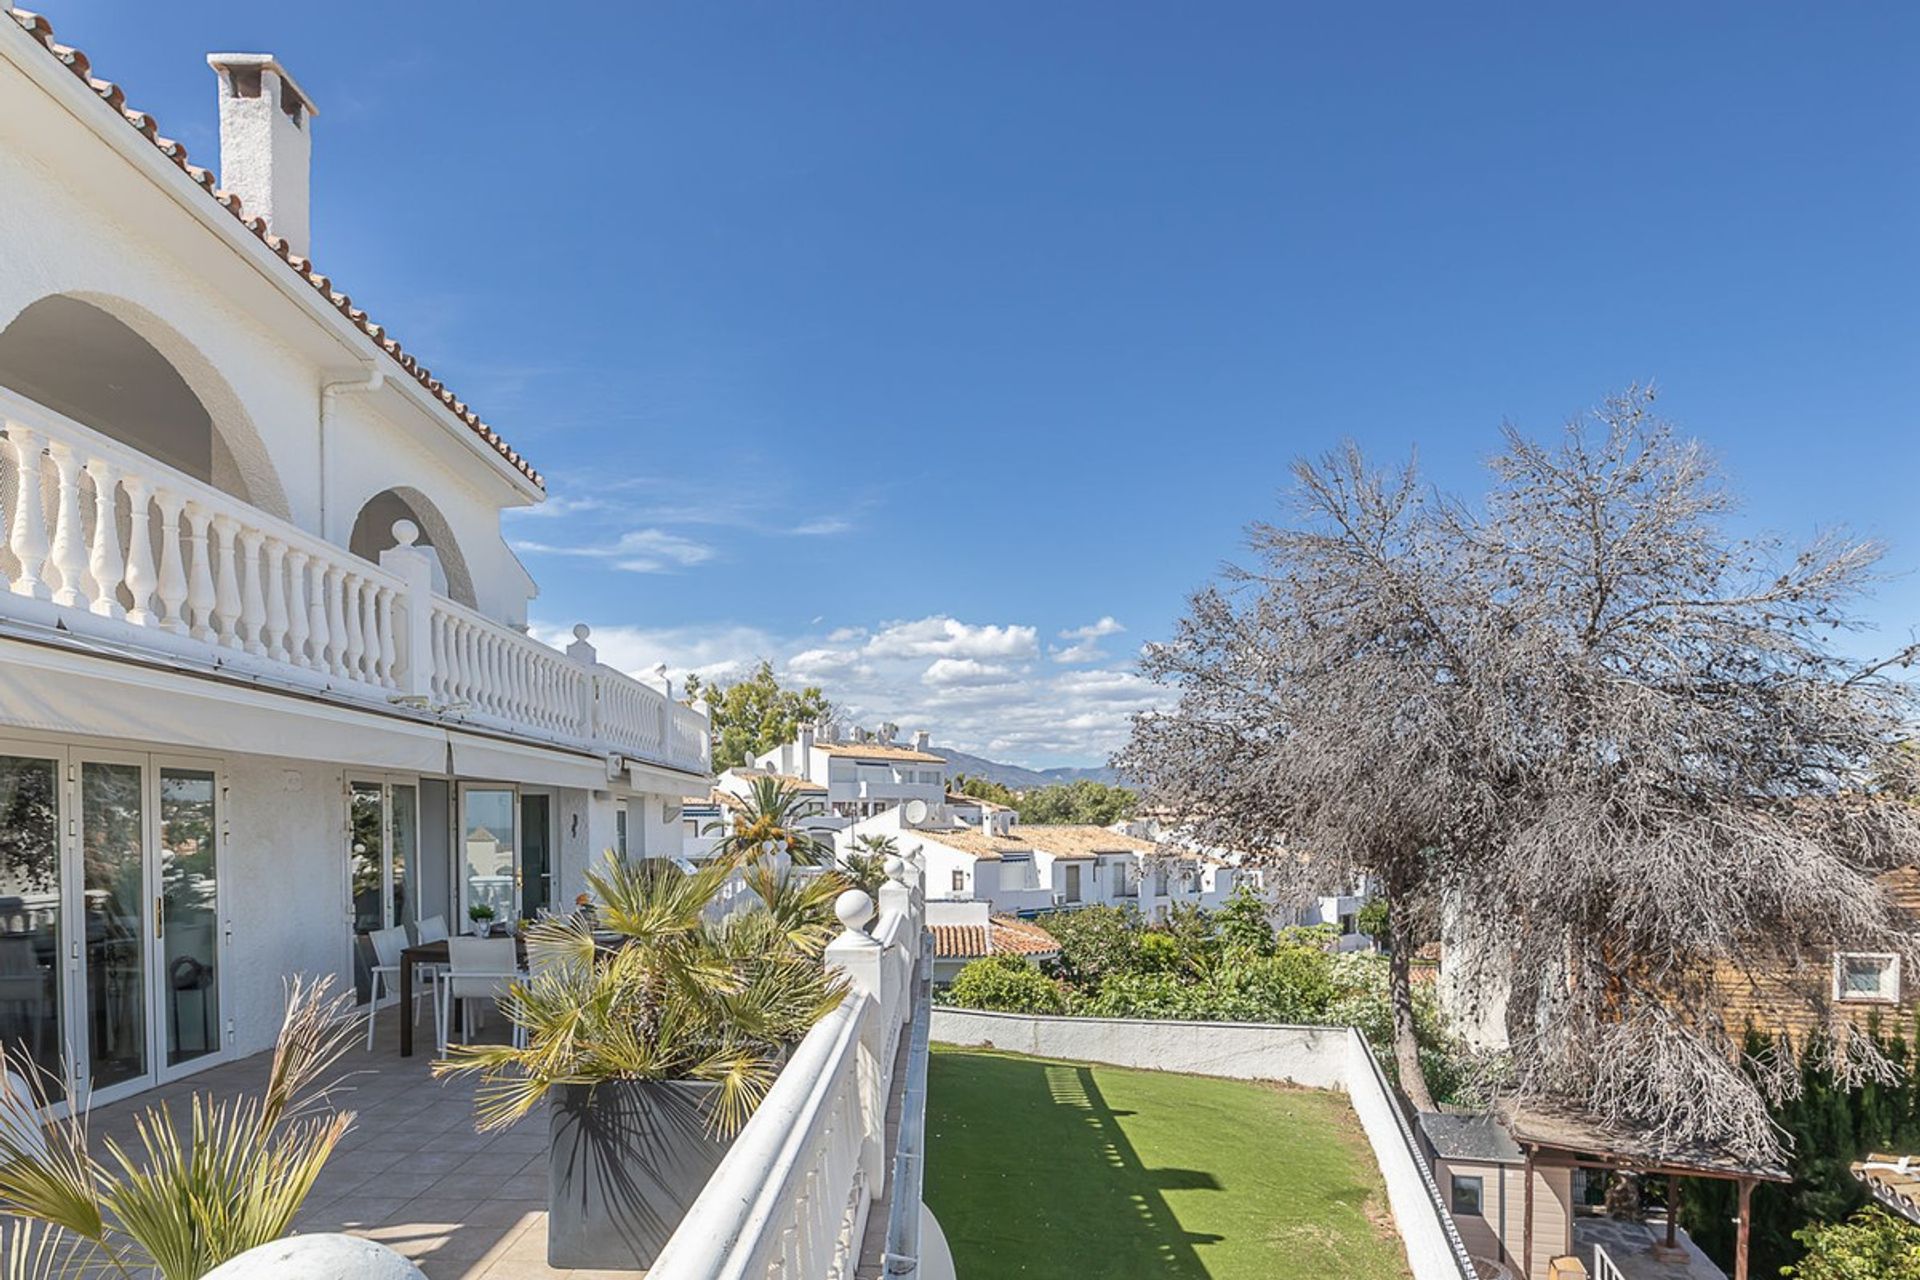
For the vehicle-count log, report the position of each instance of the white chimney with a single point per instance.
(920, 739)
(266, 143)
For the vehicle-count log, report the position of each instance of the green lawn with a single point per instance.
(1056, 1169)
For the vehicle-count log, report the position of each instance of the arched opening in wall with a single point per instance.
(373, 533)
(76, 357)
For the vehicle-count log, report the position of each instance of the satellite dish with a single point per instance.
(916, 811)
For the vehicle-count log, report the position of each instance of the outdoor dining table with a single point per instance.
(429, 953)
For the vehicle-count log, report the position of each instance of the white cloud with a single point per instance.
(823, 526)
(977, 687)
(949, 671)
(636, 551)
(944, 637)
(1086, 646)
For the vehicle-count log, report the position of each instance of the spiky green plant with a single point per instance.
(866, 864)
(172, 1207)
(676, 995)
(769, 817)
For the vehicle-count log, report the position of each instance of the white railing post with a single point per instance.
(27, 532)
(583, 652)
(413, 612)
(862, 960)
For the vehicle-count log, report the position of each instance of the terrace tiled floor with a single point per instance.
(412, 1173)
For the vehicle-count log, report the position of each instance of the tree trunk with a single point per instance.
(1406, 1044)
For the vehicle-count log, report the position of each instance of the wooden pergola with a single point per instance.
(1554, 1138)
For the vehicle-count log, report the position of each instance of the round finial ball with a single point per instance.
(854, 908)
(896, 867)
(581, 631)
(404, 532)
(318, 1257)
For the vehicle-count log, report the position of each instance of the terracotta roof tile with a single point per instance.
(1002, 935)
(110, 93)
(877, 751)
(1061, 841)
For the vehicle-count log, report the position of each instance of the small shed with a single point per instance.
(1482, 1175)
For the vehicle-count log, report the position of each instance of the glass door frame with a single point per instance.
(158, 1013)
(387, 783)
(461, 876)
(70, 758)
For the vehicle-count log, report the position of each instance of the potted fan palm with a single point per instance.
(163, 1207)
(652, 1031)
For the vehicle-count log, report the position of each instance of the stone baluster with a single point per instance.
(299, 623)
(173, 588)
(356, 643)
(201, 597)
(142, 578)
(253, 600)
(439, 687)
(336, 624)
(369, 633)
(104, 561)
(27, 536)
(226, 596)
(276, 629)
(68, 556)
(389, 643)
(321, 615)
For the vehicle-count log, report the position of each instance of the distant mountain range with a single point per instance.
(1013, 775)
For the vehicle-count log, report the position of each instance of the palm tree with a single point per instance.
(678, 996)
(866, 865)
(171, 1208)
(768, 823)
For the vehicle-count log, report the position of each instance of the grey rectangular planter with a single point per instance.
(626, 1160)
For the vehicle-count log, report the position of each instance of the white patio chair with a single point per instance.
(388, 944)
(479, 969)
(432, 929)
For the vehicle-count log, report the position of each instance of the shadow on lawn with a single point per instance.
(1048, 1185)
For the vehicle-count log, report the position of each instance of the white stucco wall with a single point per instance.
(79, 219)
(285, 887)
(1316, 1057)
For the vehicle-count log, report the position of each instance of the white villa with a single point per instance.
(265, 678)
(1024, 869)
(864, 773)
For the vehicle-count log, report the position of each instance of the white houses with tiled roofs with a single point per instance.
(863, 773)
(265, 680)
(1022, 869)
(965, 931)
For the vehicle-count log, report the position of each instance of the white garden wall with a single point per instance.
(1315, 1057)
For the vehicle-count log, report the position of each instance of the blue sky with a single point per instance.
(936, 352)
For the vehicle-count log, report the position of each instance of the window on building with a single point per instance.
(959, 881)
(1870, 977)
(1467, 1194)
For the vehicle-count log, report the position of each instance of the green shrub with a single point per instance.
(1158, 953)
(1871, 1245)
(1147, 995)
(1095, 942)
(1241, 923)
(1005, 984)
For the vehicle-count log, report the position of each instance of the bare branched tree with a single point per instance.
(1615, 743)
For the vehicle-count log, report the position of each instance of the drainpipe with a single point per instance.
(375, 379)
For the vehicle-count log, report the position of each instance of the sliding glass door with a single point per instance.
(383, 865)
(112, 925)
(507, 858)
(113, 917)
(32, 992)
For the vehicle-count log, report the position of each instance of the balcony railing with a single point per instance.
(104, 540)
(793, 1194)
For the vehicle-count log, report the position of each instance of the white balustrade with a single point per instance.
(792, 1195)
(205, 573)
(225, 573)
